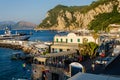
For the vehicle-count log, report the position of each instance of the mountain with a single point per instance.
(17, 26)
(4, 24)
(93, 16)
(24, 25)
(7, 22)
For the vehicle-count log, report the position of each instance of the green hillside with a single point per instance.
(102, 21)
(53, 14)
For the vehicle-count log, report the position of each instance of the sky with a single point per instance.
(32, 10)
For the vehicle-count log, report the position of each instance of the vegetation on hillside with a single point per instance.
(94, 5)
(58, 10)
(102, 21)
(51, 19)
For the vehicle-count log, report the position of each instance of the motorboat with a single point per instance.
(9, 36)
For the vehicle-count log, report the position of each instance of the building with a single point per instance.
(114, 28)
(71, 41)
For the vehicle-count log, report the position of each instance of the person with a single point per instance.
(43, 75)
(93, 66)
(24, 65)
(84, 69)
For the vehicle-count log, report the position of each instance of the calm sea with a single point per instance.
(10, 69)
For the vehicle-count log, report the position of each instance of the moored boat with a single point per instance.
(18, 36)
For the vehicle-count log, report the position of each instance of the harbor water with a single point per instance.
(13, 69)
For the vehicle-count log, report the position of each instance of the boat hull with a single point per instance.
(26, 37)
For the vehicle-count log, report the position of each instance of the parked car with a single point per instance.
(103, 60)
(98, 61)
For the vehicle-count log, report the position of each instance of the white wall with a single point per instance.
(74, 37)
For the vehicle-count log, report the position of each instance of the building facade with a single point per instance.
(70, 41)
(114, 28)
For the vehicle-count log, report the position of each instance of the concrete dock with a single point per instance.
(28, 47)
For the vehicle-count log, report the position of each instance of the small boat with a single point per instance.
(18, 36)
(15, 56)
(19, 79)
(18, 56)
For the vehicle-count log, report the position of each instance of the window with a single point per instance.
(61, 40)
(66, 40)
(56, 40)
(60, 50)
(71, 40)
(78, 40)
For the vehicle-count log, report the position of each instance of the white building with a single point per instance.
(74, 38)
(114, 28)
(71, 41)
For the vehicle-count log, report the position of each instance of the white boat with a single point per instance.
(18, 79)
(18, 36)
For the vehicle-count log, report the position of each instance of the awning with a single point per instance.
(40, 59)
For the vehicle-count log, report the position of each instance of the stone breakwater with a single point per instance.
(25, 46)
(5, 45)
(17, 47)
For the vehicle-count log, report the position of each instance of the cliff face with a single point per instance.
(84, 19)
(69, 20)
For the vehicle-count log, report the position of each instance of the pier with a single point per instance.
(28, 47)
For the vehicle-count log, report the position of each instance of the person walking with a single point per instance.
(93, 66)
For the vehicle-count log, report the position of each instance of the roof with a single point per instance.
(41, 46)
(59, 54)
(65, 45)
(76, 64)
(86, 76)
(40, 59)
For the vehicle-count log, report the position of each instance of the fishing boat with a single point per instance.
(18, 36)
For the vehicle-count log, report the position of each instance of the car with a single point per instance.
(98, 61)
(103, 60)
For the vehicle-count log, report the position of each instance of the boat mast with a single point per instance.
(7, 31)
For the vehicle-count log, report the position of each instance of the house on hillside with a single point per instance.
(114, 28)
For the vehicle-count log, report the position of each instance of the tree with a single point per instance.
(95, 36)
(88, 49)
(82, 49)
(92, 49)
(108, 29)
(85, 40)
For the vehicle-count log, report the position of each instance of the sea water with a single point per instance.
(13, 69)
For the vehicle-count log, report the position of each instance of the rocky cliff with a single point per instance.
(74, 17)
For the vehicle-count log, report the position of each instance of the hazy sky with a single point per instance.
(32, 10)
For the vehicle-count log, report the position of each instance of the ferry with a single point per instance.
(18, 36)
